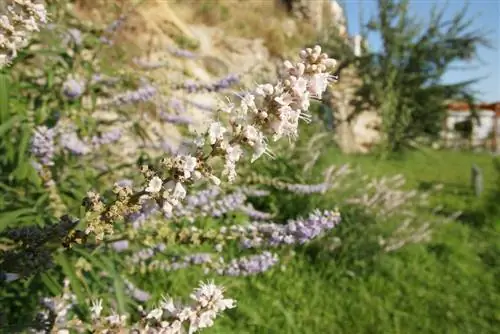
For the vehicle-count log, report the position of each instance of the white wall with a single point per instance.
(480, 131)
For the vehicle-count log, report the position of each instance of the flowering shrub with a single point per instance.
(168, 317)
(152, 222)
(24, 17)
(173, 188)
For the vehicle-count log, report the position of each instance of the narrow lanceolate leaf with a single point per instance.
(70, 272)
(4, 98)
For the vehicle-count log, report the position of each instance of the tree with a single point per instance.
(403, 81)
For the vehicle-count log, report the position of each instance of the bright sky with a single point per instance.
(487, 18)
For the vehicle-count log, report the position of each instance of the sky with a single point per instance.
(486, 15)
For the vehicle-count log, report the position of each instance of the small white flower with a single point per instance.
(318, 84)
(199, 141)
(154, 185)
(189, 165)
(116, 319)
(299, 86)
(252, 135)
(197, 175)
(167, 207)
(9, 277)
(229, 170)
(156, 314)
(284, 99)
(234, 153)
(214, 179)
(226, 107)
(179, 192)
(215, 132)
(168, 305)
(330, 63)
(96, 308)
(264, 90)
(186, 313)
(259, 149)
(288, 64)
(248, 103)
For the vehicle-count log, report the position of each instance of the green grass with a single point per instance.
(449, 285)
(418, 167)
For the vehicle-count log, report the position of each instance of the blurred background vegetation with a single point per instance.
(387, 268)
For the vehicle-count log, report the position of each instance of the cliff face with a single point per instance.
(321, 13)
(357, 127)
(230, 39)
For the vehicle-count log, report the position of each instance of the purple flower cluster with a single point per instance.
(73, 35)
(307, 189)
(251, 212)
(70, 141)
(295, 231)
(98, 78)
(142, 94)
(106, 138)
(73, 88)
(173, 264)
(112, 28)
(211, 203)
(136, 293)
(149, 64)
(250, 265)
(43, 145)
(181, 53)
(176, 105)
(176, 114)
(43, 142)
(254, 235)
(202, 107)
(244, 266)
(147, 253)
(176, 119)
(224, 83)
(120, 246)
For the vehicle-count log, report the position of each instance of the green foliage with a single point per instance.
(343, 283)
(447, 285)
(403, 79)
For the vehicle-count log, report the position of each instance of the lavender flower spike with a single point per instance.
(42, 145)
(144, 93)
(250, 265)
(73, 89)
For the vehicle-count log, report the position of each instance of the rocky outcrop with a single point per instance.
(154, 29)
(320, 13)
(357, 126)
(155, 35)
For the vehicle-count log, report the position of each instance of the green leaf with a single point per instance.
(70, 273)
(51, 284)
(106, 264)
(7, 217)
(4, 97)
(7, 125)
(23, 144)
(119, 292)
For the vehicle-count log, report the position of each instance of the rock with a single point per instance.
(477, 180)
(353, 133)
(366, 129)
(320, 13)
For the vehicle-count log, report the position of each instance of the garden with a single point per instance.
(177, 167)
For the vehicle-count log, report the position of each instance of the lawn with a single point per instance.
(445, 286)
